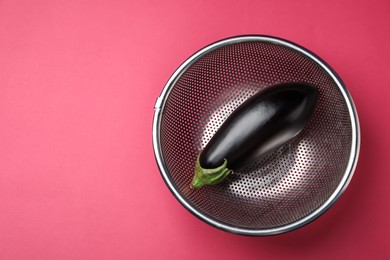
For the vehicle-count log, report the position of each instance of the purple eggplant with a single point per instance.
(260, 125)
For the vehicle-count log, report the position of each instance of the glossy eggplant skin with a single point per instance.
(260, 125)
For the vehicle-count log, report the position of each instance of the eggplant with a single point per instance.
(260, 125)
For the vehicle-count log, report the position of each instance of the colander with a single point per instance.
(289, 187)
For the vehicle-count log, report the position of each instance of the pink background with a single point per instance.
(78, 82)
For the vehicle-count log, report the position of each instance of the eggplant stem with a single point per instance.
(209, 176)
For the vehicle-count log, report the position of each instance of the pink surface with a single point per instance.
(78, 82)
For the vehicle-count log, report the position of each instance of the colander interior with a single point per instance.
(280, 189)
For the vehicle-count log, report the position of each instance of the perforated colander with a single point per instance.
(288, 188)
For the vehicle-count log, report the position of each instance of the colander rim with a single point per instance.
(355, 144)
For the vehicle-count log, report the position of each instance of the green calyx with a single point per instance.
(209, 176)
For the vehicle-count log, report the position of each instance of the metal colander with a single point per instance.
(288, 188)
